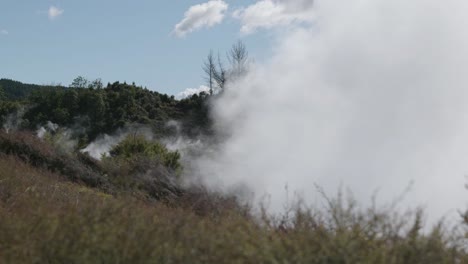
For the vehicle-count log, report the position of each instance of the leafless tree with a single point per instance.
(209, 67)
(220, 74)
(216, 75)
(238, 57)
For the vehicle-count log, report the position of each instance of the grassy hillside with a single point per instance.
(48, 217)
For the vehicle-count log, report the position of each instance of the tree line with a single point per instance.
(96, 108)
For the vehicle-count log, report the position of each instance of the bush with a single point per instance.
(137, 146)
(146, 167)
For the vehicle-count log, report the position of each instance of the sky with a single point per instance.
(45, 42)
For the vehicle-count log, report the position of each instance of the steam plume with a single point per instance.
(372, 96)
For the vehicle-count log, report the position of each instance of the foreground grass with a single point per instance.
(46, 219)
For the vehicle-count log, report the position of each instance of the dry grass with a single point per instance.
(46, 219)
(42, 154)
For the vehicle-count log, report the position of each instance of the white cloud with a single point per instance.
(4, 32)
(201, 16)
(191, 91)
(54, 12)
(273, 13)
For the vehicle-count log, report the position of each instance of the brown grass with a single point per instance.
(46, 219)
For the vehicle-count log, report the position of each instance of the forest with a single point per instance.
(98, 109)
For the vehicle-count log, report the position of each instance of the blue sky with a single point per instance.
(116, 40)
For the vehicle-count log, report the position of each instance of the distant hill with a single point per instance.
(15, 90)
(102, 109)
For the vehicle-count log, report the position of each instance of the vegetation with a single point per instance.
(30, 149)
(96, 110)
(17, 91)
(103, 110)
(45, 219)
(137, 147)
(8, 109)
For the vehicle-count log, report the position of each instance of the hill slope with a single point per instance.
(45, 218)
(14, 90)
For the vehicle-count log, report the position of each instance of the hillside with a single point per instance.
(49, 216)
(92, 109)
(59, 205)
(15, 90)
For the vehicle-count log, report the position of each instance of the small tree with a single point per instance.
(96, 84)
(79, 82)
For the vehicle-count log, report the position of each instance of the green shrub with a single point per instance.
(136, 146)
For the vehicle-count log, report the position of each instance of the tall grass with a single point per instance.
(47, 219)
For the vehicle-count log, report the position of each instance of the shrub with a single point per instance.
(146, 167)
(137, 146)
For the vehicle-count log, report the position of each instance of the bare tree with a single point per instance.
(209, 67)
(220, 74)
(216, 75)
(238, 57)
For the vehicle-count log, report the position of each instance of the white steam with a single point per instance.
(189, 147)
(373, 96)
(104, 143)
(62, 137)
(49, 127)
(192, 91)
(13, 121)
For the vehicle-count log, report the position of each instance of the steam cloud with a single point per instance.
(104, 143)
(372, 96)
(191, 91)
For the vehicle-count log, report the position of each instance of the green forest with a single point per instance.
(100, 109)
